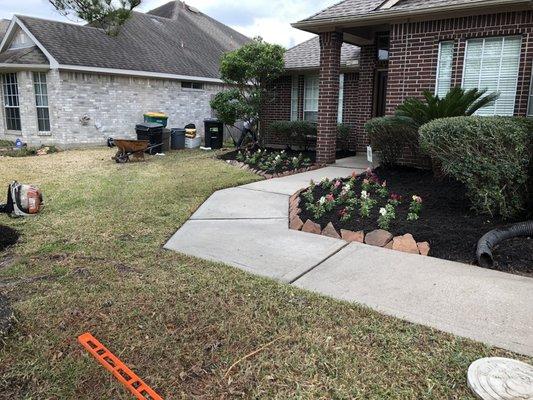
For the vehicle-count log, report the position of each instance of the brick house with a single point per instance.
(72, 85)
(370, 55)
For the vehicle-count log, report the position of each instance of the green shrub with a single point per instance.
(490, 155)
(389, 135)
(295, 132)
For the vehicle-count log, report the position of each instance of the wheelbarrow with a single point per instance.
(130, 148)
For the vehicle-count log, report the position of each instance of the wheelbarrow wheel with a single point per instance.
(122, 158)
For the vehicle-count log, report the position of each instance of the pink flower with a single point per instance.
(354, 174)
(337, 184)
(395, 197)
(418, 199)
(330, 198)
(366, 181)
(384, 184)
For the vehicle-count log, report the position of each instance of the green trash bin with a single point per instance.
(156, 118)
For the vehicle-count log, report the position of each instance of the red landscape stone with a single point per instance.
(330, 231)
(351, 236)
(378, 238)
(423, 248)
(405, 243)
(296, 223)
(311, 227)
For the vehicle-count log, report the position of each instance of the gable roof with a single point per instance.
(30, 55)
(306, 55)
(4, 24)
(185, 45)
(381, 10)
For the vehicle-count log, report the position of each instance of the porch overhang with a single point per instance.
(359, 29)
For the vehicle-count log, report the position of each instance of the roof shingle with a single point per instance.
(188, 43)
(361, 8)
(307, 55)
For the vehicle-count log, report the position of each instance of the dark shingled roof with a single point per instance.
(184, 42)
(363, 8)
(4, 24)
(307, 55)
(30, 55)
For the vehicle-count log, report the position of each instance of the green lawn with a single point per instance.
(93, 261)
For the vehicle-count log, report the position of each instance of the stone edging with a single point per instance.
(266, 175)
(379, 237)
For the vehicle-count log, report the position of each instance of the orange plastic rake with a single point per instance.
(110, 362)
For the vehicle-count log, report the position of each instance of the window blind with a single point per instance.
(311, 98)
(493, 64)
(294, 98)
(444, 68)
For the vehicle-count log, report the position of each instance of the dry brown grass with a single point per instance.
(93, 261)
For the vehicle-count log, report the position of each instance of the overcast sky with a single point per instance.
(267, 18)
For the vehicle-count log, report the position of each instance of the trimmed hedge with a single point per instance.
(304, 133)
(490, 155)
(389, 135)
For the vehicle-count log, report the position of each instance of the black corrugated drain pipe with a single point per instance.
(487, 243)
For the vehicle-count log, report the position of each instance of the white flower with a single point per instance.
(322, 200)
(364, 194)
(278, 157)
(383, 211)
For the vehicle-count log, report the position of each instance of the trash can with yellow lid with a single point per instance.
(157, 118)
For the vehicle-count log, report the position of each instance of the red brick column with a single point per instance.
(328, 98)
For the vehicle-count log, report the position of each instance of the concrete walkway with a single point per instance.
(247, 227)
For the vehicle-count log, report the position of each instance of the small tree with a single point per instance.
(250, 70)
(107, 14)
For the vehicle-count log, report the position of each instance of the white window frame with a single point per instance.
(438, 80)
(530, 98)
(305, 109)
(294, 97)
(40, 99)
(340, 111)
(481, 67)
(7, 105)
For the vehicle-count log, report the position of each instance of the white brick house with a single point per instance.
(73, 85)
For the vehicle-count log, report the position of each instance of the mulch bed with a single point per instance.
(232, 156)
(446, 220)
(8, 237)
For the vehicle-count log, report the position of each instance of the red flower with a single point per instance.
(395, 197)
(330, 198)
(343, 212)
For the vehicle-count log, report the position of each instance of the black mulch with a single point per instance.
(8, 237)
(232, 155)
(446, 220)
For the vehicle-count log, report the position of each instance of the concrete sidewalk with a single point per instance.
(247, 227)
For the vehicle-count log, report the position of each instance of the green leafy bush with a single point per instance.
(458, 102)
(389, 135)
(490, 155)
(295, 132)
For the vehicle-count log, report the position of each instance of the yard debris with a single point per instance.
(253, 353)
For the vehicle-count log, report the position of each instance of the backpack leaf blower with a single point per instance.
(22, 200)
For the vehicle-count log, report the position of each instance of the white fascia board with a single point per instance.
(33, 67)
(17, 22)
(147, 74)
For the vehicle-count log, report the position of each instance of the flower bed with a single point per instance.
(272, 163)
(404, 209)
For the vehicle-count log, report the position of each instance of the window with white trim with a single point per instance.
(311, 98)
(493, 64)
(294, 98)
(444, 68)
(10, 90)
(41, 101)
(341, 99)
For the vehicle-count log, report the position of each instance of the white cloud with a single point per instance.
(270, 19)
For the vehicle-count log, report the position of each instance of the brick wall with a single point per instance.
(278, 108)
(113, 105)
(415, 46)
(328, 97)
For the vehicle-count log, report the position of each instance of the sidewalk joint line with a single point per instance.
(319, 263)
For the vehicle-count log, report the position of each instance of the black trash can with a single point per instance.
(214, 133)
(177, 138)
(152, 132)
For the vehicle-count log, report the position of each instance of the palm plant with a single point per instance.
(458, 102)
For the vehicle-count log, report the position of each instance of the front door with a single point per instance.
(380, 93)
